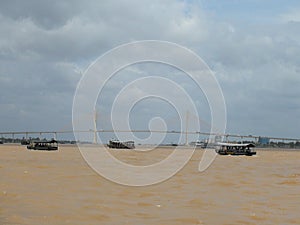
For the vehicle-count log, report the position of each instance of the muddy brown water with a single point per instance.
(38, 187)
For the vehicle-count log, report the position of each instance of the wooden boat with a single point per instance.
(235, 149)
(121, 145)
(43, 145)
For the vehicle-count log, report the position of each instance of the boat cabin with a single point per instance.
(121, 145)
(43, 145)
(235, 149)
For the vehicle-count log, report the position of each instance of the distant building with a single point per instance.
(263, 140)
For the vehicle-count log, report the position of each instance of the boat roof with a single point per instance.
(50, 142)
(235, 144)
(117, 141)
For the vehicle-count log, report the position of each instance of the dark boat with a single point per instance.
(43, 145)
(235, 149)
(25, 142)
(121, 145)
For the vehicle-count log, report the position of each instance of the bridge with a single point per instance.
(226, 137)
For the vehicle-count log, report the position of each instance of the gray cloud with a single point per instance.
(45, 44)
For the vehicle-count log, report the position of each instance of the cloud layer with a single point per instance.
(44, 46)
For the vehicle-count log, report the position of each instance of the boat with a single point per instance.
(43, 145)
(200, 144)
(235, 149)
(121, 145)
(25, 142)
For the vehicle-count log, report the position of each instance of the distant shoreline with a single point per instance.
(141, 147)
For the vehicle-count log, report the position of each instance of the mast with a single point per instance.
(186, 128)
(95, 127)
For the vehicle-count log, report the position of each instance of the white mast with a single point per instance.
(186, 128)
(95, 127)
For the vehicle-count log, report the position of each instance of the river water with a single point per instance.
(59, 187)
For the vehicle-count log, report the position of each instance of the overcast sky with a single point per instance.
(252, 46)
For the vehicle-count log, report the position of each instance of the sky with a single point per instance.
(252, 47)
